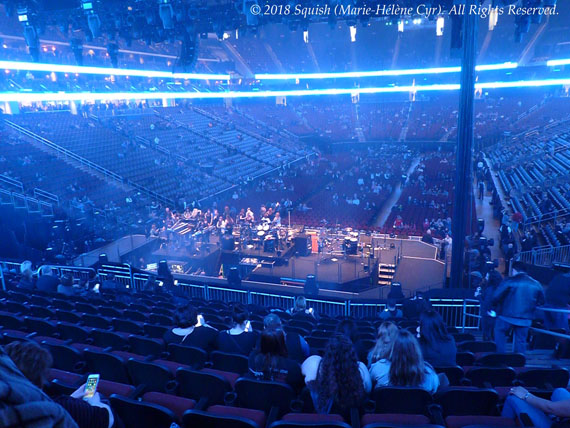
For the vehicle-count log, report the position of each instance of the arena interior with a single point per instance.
(270, 213)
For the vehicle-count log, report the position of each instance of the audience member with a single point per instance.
(297, 347)
(406, 366)
(239, 339)
(485, 295)
(537, 409)
(438, 346)
(385, 337)
(27, 278)
(34, 362)
(47, 281)
(22, 404)
(270, 360)
(66, 286)
(190, 331)
(337, 381)
(300, 311)
(516, 298)
(391, 311)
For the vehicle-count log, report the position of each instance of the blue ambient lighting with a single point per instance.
(554, 62)
(380, 73)
(111, 96)
(76, 69)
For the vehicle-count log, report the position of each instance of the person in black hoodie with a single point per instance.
(438, 346)
(485, 296)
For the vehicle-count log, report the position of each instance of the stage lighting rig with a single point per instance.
(93, 20)
(28, 19)
(166, 14)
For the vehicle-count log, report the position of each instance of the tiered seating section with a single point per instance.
(532, 170)
(150, 384)
(428, 195)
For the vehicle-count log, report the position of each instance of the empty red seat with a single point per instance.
(391, 418)
(178, 405)
(487, 421)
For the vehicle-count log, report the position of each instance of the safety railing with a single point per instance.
(454, 311)
(546, 256)
(468, 314)
(470, 319)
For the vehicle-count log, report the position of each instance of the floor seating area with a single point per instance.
(428, 194)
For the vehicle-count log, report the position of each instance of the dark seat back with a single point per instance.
(412, 401)
(262, 395)
(487, 377)
(189, 355)
(463, 401)
(109, 366)
(136, 414)
(195, 385)
(496, 359)
(227, 362)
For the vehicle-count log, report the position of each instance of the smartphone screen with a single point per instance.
(91, 386)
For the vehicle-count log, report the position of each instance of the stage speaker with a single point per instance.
(302, 245)
(103, 258)
(311, 287)
(234, 277)
(396, 291)
(228, 242)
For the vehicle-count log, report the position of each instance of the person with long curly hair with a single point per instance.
(337, 379)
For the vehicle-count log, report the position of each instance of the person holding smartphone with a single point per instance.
(84, 406)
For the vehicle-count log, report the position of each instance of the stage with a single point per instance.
(378, 260)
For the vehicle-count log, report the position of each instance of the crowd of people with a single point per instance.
(335, 380)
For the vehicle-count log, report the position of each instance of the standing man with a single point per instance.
(516, 299)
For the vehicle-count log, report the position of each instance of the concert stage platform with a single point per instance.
(341, 275)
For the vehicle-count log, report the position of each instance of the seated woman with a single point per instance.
(337, 378)
(538, 409)
(438, 346)
(189, 331)
(238, 339)
(34, 362)
(385, 337)
(270, 362)
(405, 367)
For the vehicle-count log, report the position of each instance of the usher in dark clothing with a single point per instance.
(202, 337)
(236, 343)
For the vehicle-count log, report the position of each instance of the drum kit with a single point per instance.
(350, 244)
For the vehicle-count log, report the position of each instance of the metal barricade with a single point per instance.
(271, 300)
(227, 294)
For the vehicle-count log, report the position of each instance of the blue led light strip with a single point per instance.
(381, 73)
(112, 96)
(76, 69)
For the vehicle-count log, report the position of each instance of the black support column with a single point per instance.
(463, 184)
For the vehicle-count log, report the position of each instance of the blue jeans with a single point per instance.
(502, 327)
(515, 406)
